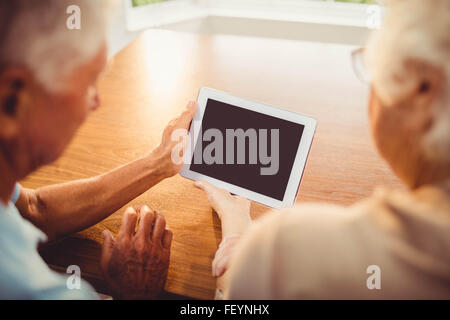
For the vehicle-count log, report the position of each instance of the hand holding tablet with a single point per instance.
(248, 148)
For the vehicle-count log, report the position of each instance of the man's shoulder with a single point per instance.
(23, 273)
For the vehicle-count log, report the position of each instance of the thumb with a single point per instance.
(107, 248)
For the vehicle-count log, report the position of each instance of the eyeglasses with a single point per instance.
(359, 66)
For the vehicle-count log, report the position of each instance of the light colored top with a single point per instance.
(323, 251)
(23, 273)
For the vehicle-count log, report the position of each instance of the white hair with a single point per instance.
(417, 29)
(35, 34)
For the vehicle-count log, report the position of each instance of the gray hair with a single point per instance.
(34, 34)
(414, 29)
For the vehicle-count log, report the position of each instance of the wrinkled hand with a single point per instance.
(233, 211)
(174, 142)
(135, 265)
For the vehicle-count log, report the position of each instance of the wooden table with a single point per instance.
(150, 82)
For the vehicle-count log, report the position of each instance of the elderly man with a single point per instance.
(395, 244)
(48, 75)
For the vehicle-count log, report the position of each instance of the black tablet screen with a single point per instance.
(246, 148)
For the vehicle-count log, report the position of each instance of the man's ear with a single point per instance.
(14, 84)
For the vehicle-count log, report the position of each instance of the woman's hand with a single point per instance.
(169, 153)
(233, 211)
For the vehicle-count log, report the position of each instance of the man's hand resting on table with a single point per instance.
(135, 265)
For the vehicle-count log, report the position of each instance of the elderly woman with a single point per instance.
(394, 244)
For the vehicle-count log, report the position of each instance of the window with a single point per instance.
(151, 13)
(138, 3)
(358, 1)
(141, 14)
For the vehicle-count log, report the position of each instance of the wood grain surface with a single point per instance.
(150, 82)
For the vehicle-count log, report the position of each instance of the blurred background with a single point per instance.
(335, 21)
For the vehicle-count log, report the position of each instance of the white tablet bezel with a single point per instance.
(300, 158)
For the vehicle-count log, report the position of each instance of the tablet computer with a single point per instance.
(248, 148)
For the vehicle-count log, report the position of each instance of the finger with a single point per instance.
(147, 219)
(187, 116)
(158, 229)
(181, 122)
(242, 199)
(220, 266)
(202, 185)
(169, 129)
(191, 108)
(129, 220)
(210, 190)
(167, 239)
(107, 248)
